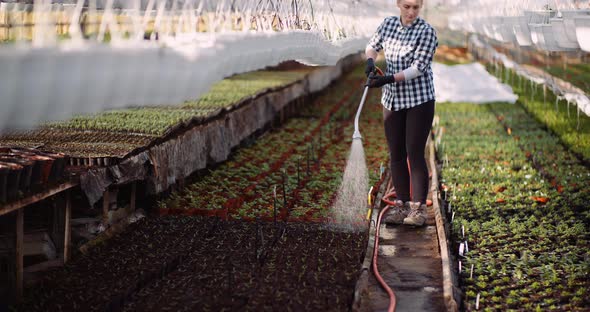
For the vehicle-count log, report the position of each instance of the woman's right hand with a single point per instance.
(370, 67)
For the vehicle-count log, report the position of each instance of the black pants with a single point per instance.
(406, 131)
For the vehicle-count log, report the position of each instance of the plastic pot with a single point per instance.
(42, 164)
(12, 179)
(4, 169)
(26, 168)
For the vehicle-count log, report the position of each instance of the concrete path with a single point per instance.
(410, 262)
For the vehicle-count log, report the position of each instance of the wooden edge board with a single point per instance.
(448, 286)
(362, 283)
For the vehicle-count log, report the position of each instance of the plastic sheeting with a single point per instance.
(55, 83)
(469, 83)
(570, 93)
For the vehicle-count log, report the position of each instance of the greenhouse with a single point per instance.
(295, 155)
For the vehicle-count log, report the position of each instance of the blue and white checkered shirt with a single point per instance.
(413, 45)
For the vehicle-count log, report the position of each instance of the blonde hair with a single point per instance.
(421, 2)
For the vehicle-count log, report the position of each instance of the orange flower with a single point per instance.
(540, 199)
(560, 188)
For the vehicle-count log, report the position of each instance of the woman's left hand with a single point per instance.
(380, 81)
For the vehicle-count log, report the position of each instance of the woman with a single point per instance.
(409, 44)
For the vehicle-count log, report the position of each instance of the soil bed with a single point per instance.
(199, 264)
(240, 260)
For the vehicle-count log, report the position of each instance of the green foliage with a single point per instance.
(233, 89)
(280, 159)
(529, 252)
(158, 120)
(562, 118)
(577, 74)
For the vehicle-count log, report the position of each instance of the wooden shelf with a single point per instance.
(31, 199)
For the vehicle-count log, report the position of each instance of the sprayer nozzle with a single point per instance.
(357, 135)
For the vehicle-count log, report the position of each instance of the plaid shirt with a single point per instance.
(406, 46)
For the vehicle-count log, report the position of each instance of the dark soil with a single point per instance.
(178, 263)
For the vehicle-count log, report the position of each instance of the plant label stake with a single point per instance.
(578, 122)
(466, 247)
(274, 205)
(330, 128)
(256, 241)
(461, 249)
(460, 267)
(477, 302)
(320, 143)
(308, 160)
(298, 169)
(284, 174)
(463, 231)
(453, 217)
(471, 271)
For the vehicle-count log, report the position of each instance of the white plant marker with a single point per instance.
(453, 217)
(477, 302)
(471, 271)
(461, 249)
(460, 267)
(466, 247)
(463, 231)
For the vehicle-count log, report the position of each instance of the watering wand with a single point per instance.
(357, 133)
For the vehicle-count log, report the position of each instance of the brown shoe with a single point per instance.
(397, 213)
(417, 214)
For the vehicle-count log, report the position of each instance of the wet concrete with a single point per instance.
(409, 261)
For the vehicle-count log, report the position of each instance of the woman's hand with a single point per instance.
(380, 81)
(370, 67)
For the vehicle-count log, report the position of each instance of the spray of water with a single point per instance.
(349, 209)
